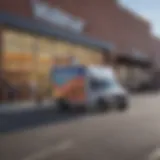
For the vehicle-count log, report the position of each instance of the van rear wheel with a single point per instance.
(63, 105)
(81, 108)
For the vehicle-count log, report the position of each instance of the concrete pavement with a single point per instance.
(131, 135)
(24, 106)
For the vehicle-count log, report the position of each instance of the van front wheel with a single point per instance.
(122, 106)
(102, 105)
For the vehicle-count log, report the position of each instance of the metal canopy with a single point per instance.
(129, 59)
(47, 30)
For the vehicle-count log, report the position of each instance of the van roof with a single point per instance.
(101, 72)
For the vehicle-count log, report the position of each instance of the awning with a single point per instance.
(130, 59)
(47, 30)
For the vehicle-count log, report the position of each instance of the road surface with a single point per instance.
(131, 135)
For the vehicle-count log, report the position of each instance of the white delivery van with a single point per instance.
(88, 87)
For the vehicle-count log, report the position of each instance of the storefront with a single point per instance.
(28, 51)
(134, 71)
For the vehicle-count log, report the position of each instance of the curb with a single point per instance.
(24, 108)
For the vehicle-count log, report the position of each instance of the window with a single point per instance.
(98, 84)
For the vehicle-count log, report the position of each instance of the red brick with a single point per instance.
(105, 20)
(20, 7)
(156, 50)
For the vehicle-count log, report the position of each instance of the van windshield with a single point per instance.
(98, 84)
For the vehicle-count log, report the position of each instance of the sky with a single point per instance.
(149, 9)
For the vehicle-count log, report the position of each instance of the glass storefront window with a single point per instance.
(17, 60)
(28, 58)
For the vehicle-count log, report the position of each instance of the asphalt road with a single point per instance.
(131, 135)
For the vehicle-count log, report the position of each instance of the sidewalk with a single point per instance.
(25, 106)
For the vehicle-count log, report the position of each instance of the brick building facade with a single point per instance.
(18, 7)
(29, 48)
(109, 21)
(105, 20)
(26, 41)
(156, 49)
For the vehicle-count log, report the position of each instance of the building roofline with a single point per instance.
(135, 15)
(44, 29)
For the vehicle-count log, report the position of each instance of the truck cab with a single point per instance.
(104, 89)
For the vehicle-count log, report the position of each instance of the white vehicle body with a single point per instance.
(108, 91)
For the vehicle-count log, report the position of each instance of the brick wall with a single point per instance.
(20, 7)
(156, 51)
(106, 20)
(132, 32)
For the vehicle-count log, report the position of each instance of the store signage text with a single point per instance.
(57, 16)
